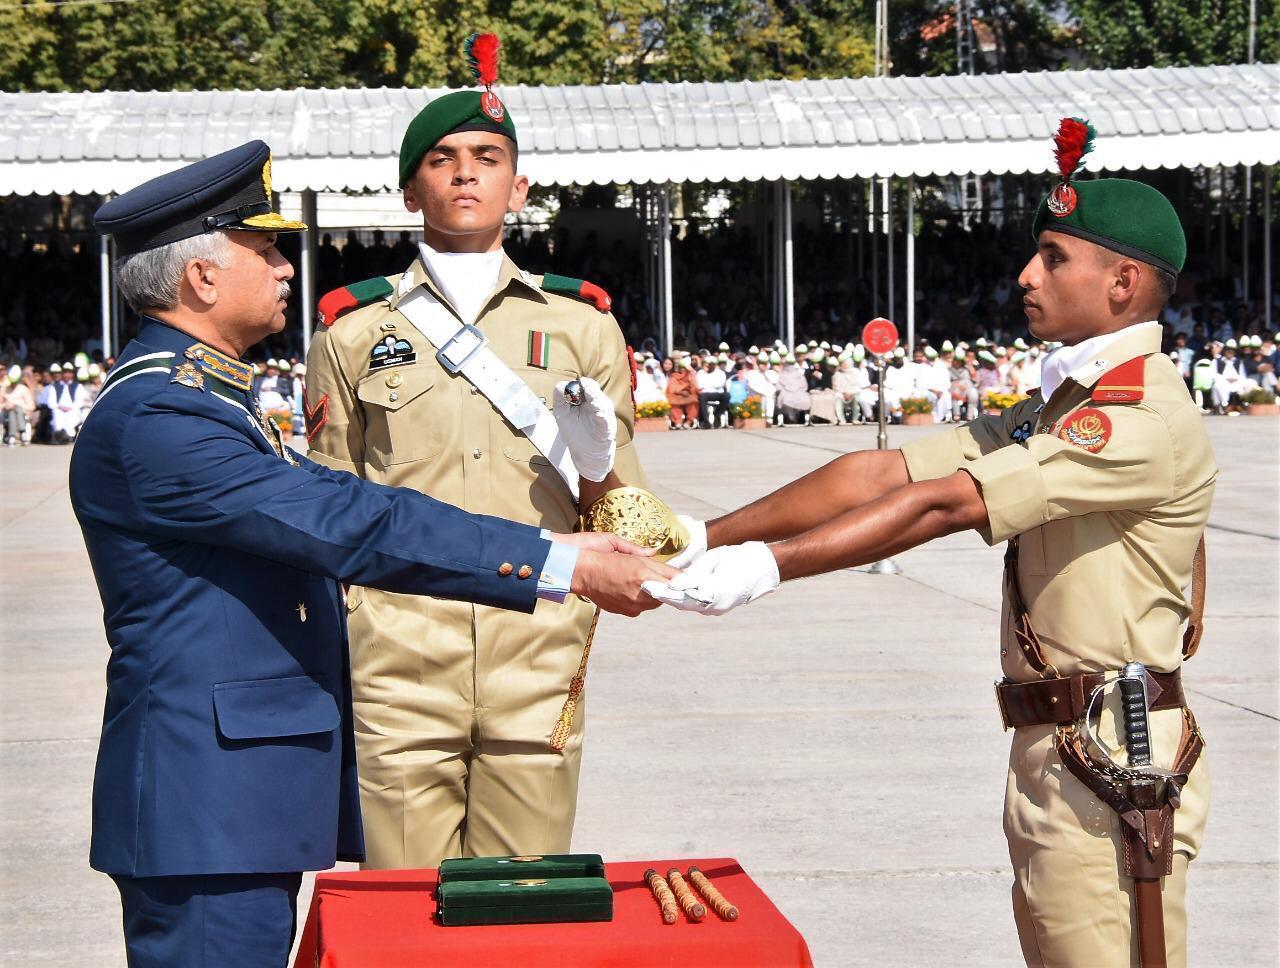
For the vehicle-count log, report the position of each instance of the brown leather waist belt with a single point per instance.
(1063, 700)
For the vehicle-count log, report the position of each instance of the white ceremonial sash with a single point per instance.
(464, 350)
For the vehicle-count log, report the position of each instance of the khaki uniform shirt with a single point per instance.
(453, 671)
(1106, 540)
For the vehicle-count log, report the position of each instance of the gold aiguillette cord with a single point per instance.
(564, 726)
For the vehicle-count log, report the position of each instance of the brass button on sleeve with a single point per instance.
(505, 569)
(524, 572)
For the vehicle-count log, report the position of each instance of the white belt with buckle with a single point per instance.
(463, 350)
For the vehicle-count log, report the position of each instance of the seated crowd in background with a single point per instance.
(822, 382)
(814, 382)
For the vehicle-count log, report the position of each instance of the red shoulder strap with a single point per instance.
(1122, 384)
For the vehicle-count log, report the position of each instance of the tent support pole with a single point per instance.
(308, 266)
(888, 235)
(788, 267)
(1244, 229)
(874, 224)
(911, 260)
(104, 277)
(668, 324)
(1266, 243)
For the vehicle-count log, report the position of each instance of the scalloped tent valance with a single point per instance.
(348, 139)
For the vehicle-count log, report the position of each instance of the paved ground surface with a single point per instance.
(840, 739)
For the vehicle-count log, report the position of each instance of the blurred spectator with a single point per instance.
(682, 394)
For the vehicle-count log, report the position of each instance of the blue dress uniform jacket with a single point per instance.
(227, 735)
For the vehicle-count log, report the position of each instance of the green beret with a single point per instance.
(459, 111)
(1122, 215)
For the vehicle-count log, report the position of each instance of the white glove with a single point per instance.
(590, 430)
(697, 542)
(721, 580)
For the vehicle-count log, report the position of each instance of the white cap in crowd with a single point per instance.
(15, 373)
(82, 374)
(947, 346)
(55, 368)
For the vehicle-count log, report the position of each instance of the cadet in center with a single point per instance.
(453, 740)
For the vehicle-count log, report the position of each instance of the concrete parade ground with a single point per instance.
(840, 738)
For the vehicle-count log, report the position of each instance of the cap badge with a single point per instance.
(492, 106)
(1062, 200)
(1089, 429)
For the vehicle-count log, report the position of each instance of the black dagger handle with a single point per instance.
(1133, 700)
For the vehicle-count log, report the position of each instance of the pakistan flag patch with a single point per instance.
(539, 348)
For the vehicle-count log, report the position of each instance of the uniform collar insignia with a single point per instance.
(221, 367)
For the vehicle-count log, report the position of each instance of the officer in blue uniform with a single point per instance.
(226, 765)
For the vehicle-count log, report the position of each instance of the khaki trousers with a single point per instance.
(1072, 906)
(454, 706)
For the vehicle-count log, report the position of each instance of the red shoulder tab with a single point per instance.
(1122, 384)
(598, 297)
(334, 304)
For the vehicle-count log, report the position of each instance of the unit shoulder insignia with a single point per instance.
(568, 286)
(337, 303)
(1089, 429)
(1122, 384)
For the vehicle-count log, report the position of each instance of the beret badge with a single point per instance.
(1073, 141)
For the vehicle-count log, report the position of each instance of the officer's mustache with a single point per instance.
(283, 291)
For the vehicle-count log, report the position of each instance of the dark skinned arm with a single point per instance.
(589, 491)
(907, 516)
(847, 483)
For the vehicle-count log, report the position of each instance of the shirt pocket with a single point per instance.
(517, 446)
(400, 426)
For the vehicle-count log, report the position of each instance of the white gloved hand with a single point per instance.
(697, 542)
(721, 580)
(590, 430)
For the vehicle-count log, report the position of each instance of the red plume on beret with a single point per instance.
(482, 54)
(1073, 141)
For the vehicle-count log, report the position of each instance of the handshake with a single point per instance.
(623, 577)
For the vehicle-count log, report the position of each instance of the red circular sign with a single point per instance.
(880, 336)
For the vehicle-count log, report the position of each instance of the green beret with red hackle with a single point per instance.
(459, 111)
(1119, 214)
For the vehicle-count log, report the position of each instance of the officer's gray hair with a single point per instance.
(152, 279)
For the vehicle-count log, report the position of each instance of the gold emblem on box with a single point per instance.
(532, 882)
(527, 859)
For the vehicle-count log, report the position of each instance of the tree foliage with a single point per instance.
(1173, 33)
(243, 44)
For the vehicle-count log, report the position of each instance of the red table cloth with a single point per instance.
(386, 919)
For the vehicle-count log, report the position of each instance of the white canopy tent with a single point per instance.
(659, 134)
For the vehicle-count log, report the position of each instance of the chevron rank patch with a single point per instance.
(391, 351)
(1089, 429)
(315, 417)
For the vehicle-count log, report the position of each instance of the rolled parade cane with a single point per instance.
(640, 517)
(717, 900)
(662, 894)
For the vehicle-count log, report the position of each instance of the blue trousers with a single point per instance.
(209, 920)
